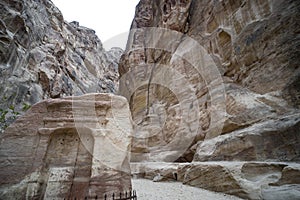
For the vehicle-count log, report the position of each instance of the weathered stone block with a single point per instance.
(71, 156)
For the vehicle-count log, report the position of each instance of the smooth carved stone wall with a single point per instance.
(68, 148)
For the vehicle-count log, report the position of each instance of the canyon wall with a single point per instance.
(207, 81)
(207, 68)
(42, 56)
(59, 148)
(212, 81)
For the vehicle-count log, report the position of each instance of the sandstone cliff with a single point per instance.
(235, 63)
(207, 82)
(42, 56)
(215, 81)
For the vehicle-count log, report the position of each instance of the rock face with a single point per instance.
(194, 70)
(273, 140)
(213, 81)
(247, 180)
(61, 149)
(42, 56)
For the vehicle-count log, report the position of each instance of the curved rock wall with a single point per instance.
(194, 70)
(216, 83)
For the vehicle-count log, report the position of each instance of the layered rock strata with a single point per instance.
(217, 81)
(42, 56)
(68, 148)
(194, 70)
(272, 140)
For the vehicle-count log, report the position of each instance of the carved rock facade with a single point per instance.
(68, 148)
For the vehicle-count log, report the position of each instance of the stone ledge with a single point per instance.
(250, 180)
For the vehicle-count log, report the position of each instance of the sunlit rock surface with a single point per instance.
(68, 148)
(42, 56)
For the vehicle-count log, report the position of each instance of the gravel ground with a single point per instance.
(149, 190)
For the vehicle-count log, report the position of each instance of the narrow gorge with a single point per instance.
(206, 93)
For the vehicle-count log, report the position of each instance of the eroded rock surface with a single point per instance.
(248, 180)
(42, 56)
(202, 69)
(213, 81)
(68, 148)
(273, 140)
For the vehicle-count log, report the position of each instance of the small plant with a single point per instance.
(15, 113)
(3, 124)
(25, 107)
(9, 115)
(2, 115)
(12, 107)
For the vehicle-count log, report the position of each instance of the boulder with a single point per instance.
(248, 180)
(272, 140)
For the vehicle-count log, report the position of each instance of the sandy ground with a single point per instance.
(149, 190)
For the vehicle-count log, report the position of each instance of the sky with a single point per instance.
(111, 19)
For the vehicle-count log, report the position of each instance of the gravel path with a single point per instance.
(149, 190)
